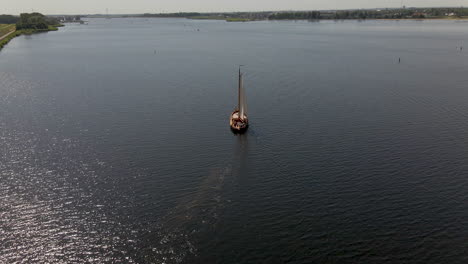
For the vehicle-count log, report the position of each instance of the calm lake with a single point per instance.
(115, 144)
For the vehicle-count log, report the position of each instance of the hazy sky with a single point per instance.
(158, 6)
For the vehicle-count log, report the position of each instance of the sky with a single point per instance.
(164, 6)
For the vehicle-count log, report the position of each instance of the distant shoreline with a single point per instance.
(26, 24)
(297, 19)
(5, 39)
(402, 13)
(323, 19)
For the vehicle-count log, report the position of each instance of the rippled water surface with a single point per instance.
(115, 145)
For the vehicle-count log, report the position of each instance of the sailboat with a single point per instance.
(239, 121)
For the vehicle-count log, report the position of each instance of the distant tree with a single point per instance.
(8, 19)
(34, 21)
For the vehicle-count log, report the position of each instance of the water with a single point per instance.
(115, 145)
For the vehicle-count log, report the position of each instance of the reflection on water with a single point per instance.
(241, 148)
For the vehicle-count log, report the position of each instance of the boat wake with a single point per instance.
(196, 214)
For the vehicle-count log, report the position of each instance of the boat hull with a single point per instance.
(237, 124)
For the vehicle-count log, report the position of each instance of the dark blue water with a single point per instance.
(115, 145)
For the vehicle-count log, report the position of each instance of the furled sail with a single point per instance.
(242, 101)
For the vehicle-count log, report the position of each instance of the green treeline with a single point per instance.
(35, 21)
(395, 13)
(458, 12)
(8, 19)
(401, 13)
(181, 15)
(295, 15)
(26, 24)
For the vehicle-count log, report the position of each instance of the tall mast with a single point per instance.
(239, 92)
(241, 96)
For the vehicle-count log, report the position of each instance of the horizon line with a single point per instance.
(263, 11)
